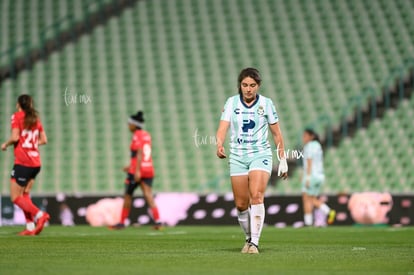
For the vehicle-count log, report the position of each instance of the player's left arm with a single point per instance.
(14, 137)
(280, 145)
(42, 138)
(42, 135)
(137, 175)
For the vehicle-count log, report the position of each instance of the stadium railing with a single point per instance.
(25, 50)
(355, 106)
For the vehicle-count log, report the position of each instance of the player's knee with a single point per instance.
(13, 197)
(257, 198)
(127, 199)
(149, 199)
(242, 205)
(147, 193)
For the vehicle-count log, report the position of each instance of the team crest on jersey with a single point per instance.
(260, 111)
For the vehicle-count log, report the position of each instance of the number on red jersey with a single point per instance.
(31, 138)
(146, 152)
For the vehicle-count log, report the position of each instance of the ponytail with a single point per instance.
(31, 115)
(314, 135)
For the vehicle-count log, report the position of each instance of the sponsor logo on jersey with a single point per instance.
(248, 124)
(244, 141)
(237, 111)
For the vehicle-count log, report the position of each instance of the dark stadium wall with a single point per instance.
(212, 209)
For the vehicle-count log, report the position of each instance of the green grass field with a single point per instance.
(207, 250)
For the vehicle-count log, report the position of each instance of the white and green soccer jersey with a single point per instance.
(313, 150)
(249, 125)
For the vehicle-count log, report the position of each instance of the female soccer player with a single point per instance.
(313, 178)
(140, 171)
(249, 115)
(26, 135)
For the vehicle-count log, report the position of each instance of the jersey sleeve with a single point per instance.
(306, 152)
(40, 126)
(136, 143)
(14, 121)
(272, 116)
(311, 150)
(226, 113)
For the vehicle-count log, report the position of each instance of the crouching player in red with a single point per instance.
(26, 135)
(140, 171)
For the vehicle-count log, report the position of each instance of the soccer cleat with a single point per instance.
(331, 217)
(158, 226)
(253, 249)
(41, 223)
(27, 233)
(246, 246)
(117, 226)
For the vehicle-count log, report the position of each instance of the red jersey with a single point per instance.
(141, 140)
(26, 151)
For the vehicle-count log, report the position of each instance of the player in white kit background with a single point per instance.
(249, 115)
(313, 178)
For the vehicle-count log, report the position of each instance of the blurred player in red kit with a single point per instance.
(140, 171)
(26, 135)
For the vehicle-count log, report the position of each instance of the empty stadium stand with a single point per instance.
(375, 159)
(178, 61)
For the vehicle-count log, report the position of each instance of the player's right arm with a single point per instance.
(308, 171)
(220, 137)
(14, 137)
(222, 129)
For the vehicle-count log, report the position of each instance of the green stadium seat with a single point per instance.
(178, 61)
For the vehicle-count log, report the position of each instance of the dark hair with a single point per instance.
(312, 132)
(139, 117)
(249, 72)
(31, 116)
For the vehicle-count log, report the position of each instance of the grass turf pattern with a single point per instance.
(207, 250)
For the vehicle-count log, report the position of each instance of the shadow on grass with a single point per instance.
(238, 250)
